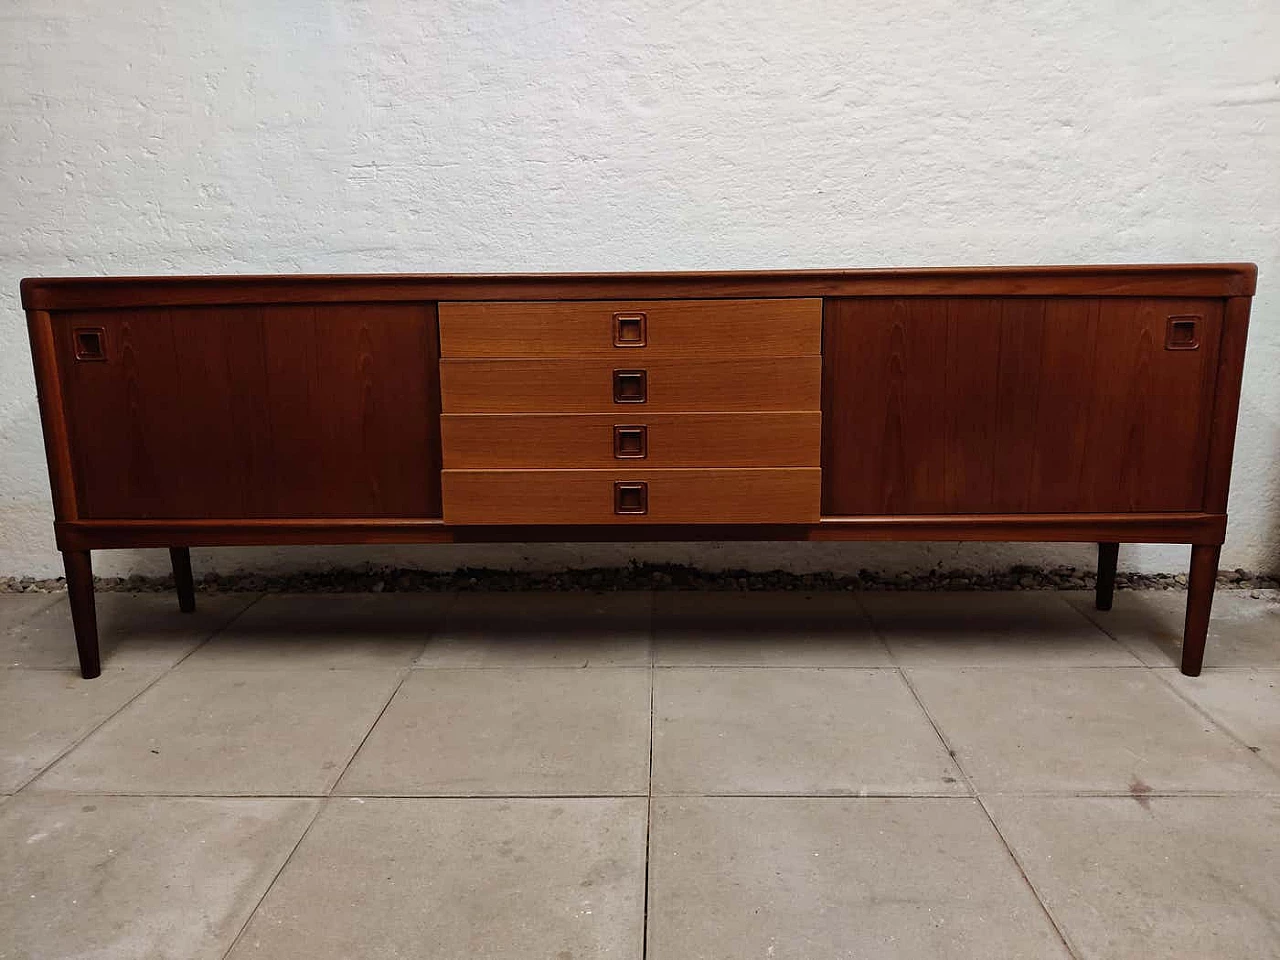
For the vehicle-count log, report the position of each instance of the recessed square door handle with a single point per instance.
(1182, 333)
(90, 343)
(630, 442)
(630, 386)
(630, 497)
(629, 329)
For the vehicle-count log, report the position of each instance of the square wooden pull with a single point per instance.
(1183, 333)
(629, 329)
(630, 497)
(90, 343)
(630, 386)
(630, 442)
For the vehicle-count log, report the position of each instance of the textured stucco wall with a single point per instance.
(269, 135)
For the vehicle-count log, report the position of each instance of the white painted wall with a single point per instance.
(170, 136)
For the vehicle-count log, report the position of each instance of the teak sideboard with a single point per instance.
(1092, 404)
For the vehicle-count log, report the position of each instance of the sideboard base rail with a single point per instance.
(77, 538)
(1207, 528)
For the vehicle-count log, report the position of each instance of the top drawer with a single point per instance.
(613, 328)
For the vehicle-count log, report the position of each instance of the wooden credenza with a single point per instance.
(1089, 404)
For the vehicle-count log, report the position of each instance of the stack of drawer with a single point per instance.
(662, 411)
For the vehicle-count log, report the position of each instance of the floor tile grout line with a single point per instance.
(877, 633)
(1220, 725)
(128, 703)
(405, 673)
(374, 797)
(1101, 628)
(320, 806)
(977, 796)
(648, 818)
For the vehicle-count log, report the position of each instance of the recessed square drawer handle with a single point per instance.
(1183, 333)
(90, 343)
(629, 329)
(630, 497)
(630, 386)
(630, 442)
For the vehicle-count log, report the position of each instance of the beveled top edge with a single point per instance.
(1173, 279)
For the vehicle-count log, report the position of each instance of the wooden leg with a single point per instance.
(1200, 583)
(182, 579)
(1108, 553)
(84, 618)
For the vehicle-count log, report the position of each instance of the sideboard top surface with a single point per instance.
(1113, 280)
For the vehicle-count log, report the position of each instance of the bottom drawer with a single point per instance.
(748, 495)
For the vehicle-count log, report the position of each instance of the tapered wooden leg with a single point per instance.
(1200, 583)
(84, 618)
(1108, 553)
(182, 579)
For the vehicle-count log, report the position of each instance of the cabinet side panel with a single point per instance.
(53, 418)
(1226, 405)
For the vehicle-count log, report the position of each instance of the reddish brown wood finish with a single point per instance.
(514, 441)
(672, 329)
(587, 386)
(1200, 582)
(1071, 528)
(230, 412)
(84, 615)
(53, 416)
(1118, 280)
(1033, 403)
(575, 497)
(947, 405)
(1226, 403)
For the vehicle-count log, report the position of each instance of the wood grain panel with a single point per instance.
(1110, 280)
(786, 495)
(1065, 527)
(279, 411)
(586, 386)
(1226, 404)
(999, 405)
(685, 329)
(511, 441)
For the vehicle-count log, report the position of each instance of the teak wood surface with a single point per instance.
(673, 386)
(674, 329)
(1046, 403)
(757, 438)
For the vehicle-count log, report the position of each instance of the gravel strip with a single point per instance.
(646, 577)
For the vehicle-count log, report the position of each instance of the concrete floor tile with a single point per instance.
(17, 607)
(452, 879)
(342, 631)
(43, 712)
(799, 879)
(528, 629)
(1245, 702)
(783, 731)
(1243, 631)
(1082, 730)
(124, 878)
(1181, 878)
(230, 732)
(134, 629)
(778, 629)
(1007, 628)
(509, 732)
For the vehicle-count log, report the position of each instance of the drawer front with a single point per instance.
(633, 328)
(607, 386)
(512, 441)
(780, 495)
